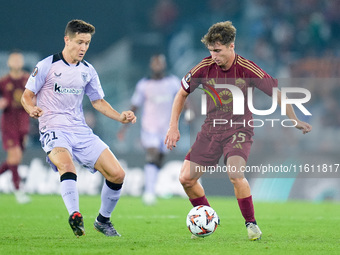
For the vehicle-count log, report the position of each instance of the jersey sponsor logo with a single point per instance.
(60, 90)
(35, 71)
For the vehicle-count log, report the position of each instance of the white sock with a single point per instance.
(150, 178)
(69, 193)
(110, 199)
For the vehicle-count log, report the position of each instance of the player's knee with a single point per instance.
(65, 167)
(120, 177)
(155, 158)
(13, 161)
(237, 181)
(117, 177)
(186, 181)
(14, 157)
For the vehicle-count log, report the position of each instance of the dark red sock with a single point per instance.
(3, 167)
(15, 175)
(199, 201)
(247, 208)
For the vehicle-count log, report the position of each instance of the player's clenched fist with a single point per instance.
(304, 127)
(127, 117)
(36, 112)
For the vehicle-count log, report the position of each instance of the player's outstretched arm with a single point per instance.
(28, 102)
(173, 135)
(303, 126)
(105, 108)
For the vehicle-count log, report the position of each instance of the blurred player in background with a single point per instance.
(60, 82)
(15, 121)
(155, 95)
(224, 66)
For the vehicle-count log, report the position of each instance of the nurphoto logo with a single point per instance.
(237, 98)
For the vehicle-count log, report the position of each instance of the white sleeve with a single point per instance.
(94, 89)
(38, 76)
(138, 96)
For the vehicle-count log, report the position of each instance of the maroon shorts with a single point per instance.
(13, 137)
(208, 148)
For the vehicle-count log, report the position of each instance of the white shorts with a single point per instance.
(153, 140)
(84, 148)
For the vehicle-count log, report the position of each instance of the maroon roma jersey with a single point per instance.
(14, 117)
(243, 74)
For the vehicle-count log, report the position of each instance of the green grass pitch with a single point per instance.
(41, 227)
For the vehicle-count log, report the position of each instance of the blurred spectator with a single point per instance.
(164, 16)
(15, 121)
(332, 17)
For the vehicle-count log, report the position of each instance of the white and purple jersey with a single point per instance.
(60, 88)
(156, 98)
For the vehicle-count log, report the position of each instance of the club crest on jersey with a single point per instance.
(240, 83)
(84, 76)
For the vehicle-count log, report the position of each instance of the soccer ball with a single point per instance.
(202, 220)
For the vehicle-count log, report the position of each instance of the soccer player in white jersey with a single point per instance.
(155, 95)
(59, 83)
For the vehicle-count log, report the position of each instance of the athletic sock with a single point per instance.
(109, 196)
(247, 208)
(103, 219)
(150, 178)
(69, 192)
(199, 201)
(3, 167)
(15, 175)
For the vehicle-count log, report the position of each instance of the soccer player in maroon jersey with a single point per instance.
(224, 66)
(15, 121)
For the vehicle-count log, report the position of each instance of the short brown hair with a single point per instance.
(223, 32)
(78, 26)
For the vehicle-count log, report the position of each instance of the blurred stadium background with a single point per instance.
(295, 41)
